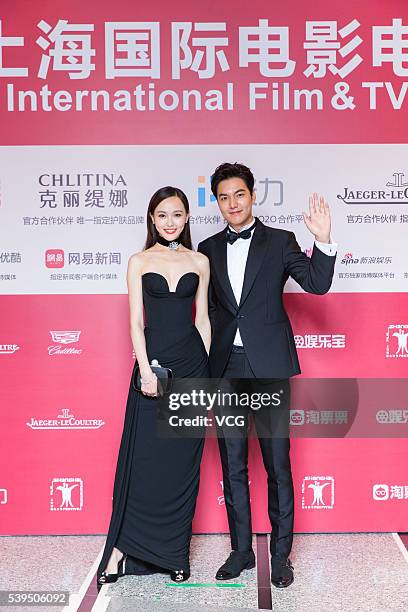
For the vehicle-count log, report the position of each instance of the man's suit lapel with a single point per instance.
(256, 254)
(221, 268)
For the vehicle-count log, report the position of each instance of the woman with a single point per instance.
(157, 478)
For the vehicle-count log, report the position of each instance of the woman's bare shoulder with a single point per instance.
(200, 258)
(137, 259)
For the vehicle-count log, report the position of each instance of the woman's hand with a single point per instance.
(149, 384)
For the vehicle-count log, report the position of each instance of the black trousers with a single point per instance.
(272, 430)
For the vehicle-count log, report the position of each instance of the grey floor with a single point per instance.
(347, 572)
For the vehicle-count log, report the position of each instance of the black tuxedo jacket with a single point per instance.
(264, 325)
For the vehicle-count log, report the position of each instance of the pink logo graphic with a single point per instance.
(65, 337)
(318, 492)
(348, 259)
(66, 494)
(65, 420)
(221, 498)
(54, 258)
(397, 341)
(3, 497)
(297, 417)
(8, 349)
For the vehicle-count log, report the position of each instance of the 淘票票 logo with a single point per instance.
(381, 492)
(318, 417)
(385, 492)
(297, 417)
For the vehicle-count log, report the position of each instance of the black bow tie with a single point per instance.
(233, 236)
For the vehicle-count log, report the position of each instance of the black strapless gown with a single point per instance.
(157, 478)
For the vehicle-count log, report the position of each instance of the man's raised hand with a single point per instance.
(318, 220)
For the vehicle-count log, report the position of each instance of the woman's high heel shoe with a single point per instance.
(179, 575)
(105, 578)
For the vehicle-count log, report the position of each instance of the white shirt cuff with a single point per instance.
(328, 248)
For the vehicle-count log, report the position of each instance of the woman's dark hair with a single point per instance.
(227, 171)
(162, 194)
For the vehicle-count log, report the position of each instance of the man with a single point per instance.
(253, 339)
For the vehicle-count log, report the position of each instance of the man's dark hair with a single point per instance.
(227, 171)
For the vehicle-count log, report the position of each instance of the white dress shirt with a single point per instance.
(237, 255)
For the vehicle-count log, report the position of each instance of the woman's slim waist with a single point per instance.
(181, 328)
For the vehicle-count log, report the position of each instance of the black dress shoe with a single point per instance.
(179, 575)
(236, 562)
(282, 572)
(105, 578)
